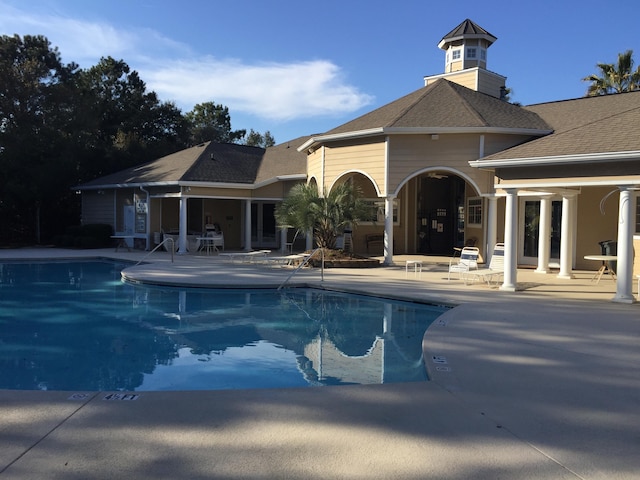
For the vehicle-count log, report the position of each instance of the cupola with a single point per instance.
(466, 47)
(466, 59)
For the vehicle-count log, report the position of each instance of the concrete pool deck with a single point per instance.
(543, 383)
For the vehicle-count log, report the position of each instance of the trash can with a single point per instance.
(609, 247)
(157, 238)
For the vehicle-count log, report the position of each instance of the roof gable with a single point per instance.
(445, 104)
(214, 163)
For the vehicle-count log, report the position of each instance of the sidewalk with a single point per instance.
(543, 383)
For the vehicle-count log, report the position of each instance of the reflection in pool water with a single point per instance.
(76, 326)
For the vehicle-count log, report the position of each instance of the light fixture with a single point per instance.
(436, 175)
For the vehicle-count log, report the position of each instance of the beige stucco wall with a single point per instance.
(593, 226)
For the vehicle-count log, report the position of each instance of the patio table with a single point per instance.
(121, 241)
(605, 267)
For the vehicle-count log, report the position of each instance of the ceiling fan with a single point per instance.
(436, 175)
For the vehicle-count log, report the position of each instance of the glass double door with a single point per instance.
(263, 225)
(530, 231)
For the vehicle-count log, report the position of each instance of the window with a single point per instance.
(472, 53)
(483, 54)
(638, 214)
(455, 55)
(376, 216)
(474, 212)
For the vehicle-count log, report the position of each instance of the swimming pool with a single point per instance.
(77, 326)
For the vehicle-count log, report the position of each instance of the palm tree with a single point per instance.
(326, 215)
(614, 78)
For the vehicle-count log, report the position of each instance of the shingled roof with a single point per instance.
(444, 104)
(222, 163)
(583, 126)
(467, 29)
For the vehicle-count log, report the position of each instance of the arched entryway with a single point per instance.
(441, 213)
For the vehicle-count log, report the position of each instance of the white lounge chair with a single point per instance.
(285, 260)
(491, 274)
(468, 260)
(255, 256)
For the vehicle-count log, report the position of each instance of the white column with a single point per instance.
(626, 223)
(510, 239)
(182, 237)
(492, 227)
(247, 225)
(309, 240)
(283, 239)
(388, 230)
(544, 235)
(566, 238)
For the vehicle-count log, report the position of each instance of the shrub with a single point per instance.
(95, 235)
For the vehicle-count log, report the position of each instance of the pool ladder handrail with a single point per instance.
(173, 248)
(302, 264)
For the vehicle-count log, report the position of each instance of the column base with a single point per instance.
(623, 299)
(566, 276)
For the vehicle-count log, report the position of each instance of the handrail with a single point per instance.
(306, 260)
(173, 248)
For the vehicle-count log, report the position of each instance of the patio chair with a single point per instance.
(468, 260)
(493, 273)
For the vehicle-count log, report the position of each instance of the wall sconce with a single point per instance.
(100, 192)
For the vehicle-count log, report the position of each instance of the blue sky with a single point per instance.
(299, 67)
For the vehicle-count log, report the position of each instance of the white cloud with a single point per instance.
(278, 91)
(273, 91)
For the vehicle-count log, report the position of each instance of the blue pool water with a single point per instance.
(77, 326)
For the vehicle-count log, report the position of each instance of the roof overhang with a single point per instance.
(319, 139)
(557, 160)
(464, 37)
(103, 186)
(282, 178)
(573, 183)
(237, 186)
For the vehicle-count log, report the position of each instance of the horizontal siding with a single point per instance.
(365, 157)
(412, 153)
(314, 166)
(273, 191)
(219, 192)
(465, 79)
(497, 143)
(97, 208)
(489, 84)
